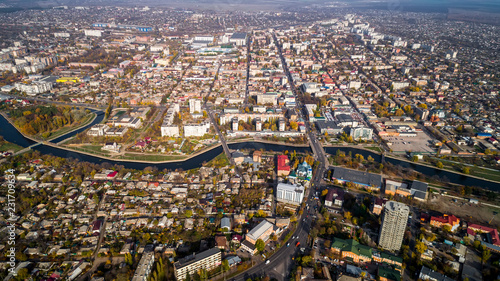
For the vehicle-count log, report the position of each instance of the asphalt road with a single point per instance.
(281, 263)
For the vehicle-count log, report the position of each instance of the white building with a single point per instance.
(288, 193)
(156, 48)
(207, 260)
(194, 106)
(281, 124)
(37, 87)
(169, 130)
(144, 268)
(93, 33)
(234, 124)
(61, 34)
(239, 39)
(399, 85)
(393, 227)
(361, 133)
(112, 147)
(196, 130)
(258, 125)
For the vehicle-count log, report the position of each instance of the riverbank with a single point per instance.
(195, 160)
(61, 133)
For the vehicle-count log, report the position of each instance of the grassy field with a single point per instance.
(219, 161)
(483, 173)
(374, 148)
(8, 146)
(93, 149)
(150, 157)
(473, 171)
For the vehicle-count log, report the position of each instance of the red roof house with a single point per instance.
(283, 167)
(451, 221)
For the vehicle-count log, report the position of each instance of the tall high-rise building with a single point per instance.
(393, 225)
(194, 106)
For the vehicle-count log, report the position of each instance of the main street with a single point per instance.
(211, 115)
(281, 263)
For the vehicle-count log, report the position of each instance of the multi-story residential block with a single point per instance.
(393, 227)
(94, 33)
(281, 124)
(258, 125)
(169, 130)
(194, 106)
(234, 124)
(196, 130)
(206, 260)
(144, 268)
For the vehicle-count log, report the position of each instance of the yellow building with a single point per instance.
(68, 80)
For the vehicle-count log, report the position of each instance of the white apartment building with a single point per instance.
(34, 88)
(61, 34)
(196, 130)
(194, 106)
(207, 260)
(144, 268)
(393, 227)
(169, 130)
(93, 33)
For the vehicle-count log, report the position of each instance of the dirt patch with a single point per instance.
(472, 213)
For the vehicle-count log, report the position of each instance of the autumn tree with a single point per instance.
(260, 245)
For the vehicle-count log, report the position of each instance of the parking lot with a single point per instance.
(420, 143)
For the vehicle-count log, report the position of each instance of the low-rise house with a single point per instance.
(334, 198)
(429, 274)
(448, 220)
(351, 250)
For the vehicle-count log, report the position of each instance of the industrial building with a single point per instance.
(369, 180)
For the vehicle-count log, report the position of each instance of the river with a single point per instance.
(11, 134)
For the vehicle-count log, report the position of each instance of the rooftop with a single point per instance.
(239, 35)
(257, 231)
(196, 257)
(357, 176)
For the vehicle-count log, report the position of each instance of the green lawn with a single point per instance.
(374, 148)
(93, 149)
(8, 146)
(219, 161)
(146, 157)
(473, 171)
(483, 173)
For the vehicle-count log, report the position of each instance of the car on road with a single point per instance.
(298, 243)
(288, 244)
(267, 261)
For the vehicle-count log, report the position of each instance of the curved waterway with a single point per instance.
(11, 134)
